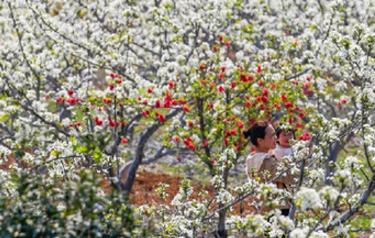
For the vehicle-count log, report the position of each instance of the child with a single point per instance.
(283, 147)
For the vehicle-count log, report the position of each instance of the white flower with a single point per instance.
(224, 196)
(318, 234)
(66, 122)
(285, 222)
(299, 233)
(308, 198)
(329, 193)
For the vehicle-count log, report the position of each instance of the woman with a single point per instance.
(262, 163)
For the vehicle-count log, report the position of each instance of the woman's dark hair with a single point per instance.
(278, 131)
(258, 130)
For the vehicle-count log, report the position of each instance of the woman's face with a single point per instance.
(269, 141)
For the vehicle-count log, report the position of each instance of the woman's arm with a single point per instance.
(268, 171)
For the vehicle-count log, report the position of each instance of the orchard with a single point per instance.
(93, 92)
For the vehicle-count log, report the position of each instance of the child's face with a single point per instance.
(284, 138)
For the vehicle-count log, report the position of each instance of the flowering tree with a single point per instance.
(98, 84)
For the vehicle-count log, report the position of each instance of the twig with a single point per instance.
(298, 74)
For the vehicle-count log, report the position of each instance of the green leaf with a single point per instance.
(97, 155)
(4, 117)
(82, 148)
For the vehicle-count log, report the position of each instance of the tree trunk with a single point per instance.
(330, 163)
(222, 232)
(127, 186)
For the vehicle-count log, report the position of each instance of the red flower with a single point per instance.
(60, 100)
(246, 78)
(124, 140)
(265, 92)
(78, 123)
(232, 132)
(232, 85)
(220, 88)
(119, 81)
(72, 101)
(160, 117)
(259, 98)
(259, 69)
(149, 90)
(181, 102)
(221, 75)
(343, 100)
(238, 147)
(247, 104)
(226, 141)
(145, 113)
(112, 123)
(239, 123)
(70, 92)
(111, 86)
(191, 146)
(260, 83)
(222, 68)
(170, 84)
(284, 98)
(167, 102)
(168, 95)
(288, 104)
(189, 143)
(215, 48)
(176, 139)
(157, 103)
(98, 121)
(106, 100)
(306, 85)
(305, 136)
(264, 99)
(114, 75)
(227, 44)
(221, 38)
(243, 77)
(186, 108)
(189, 123)
(202, 67)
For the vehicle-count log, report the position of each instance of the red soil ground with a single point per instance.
(143, 191)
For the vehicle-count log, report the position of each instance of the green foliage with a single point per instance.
(35, 205)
